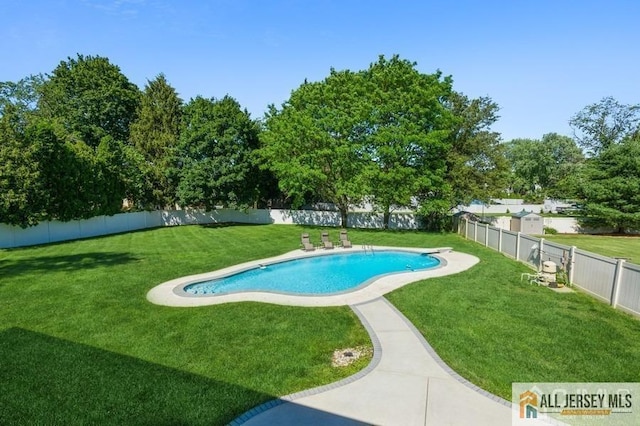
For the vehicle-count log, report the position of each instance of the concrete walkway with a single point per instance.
(405, 384)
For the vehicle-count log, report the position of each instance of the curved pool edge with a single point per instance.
(169, 293)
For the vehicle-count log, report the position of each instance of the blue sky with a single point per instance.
(542, 61)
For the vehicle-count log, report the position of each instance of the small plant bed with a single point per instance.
(348, 356)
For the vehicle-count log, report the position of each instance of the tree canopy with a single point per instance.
(214, 154)
(155, 134)
(379, 135)
(76, 142)
(612, 188)
(600, 125)
(406, 137)
(476, 165)
(91, 98)
(313, 144)
(544, 167)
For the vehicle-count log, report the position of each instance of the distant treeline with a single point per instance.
(84, 141)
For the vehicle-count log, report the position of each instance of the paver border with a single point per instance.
(441, 362)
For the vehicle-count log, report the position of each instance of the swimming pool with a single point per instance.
(328, 274)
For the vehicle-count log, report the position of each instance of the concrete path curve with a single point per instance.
(405, 384)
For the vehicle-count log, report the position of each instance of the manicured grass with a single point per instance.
(607, 245)
(80, 344)
(494, 330)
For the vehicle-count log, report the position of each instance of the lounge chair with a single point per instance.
(326, 242)
(306, 243)
(344, 239)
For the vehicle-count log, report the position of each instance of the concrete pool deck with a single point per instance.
(170, 293)
(406, 382)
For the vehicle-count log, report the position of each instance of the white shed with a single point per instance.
(527, 223)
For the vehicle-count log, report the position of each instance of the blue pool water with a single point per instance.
(317, 275)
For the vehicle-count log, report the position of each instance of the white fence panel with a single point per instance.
(93, 227)
(629, 290)
(529, 251)
(62, 231)
(7, 237)
(494, 238)
(403, 221)
(594, 273)
(557, 253)
(121, 223)
(153, 219)
(509, 243)
(482, 233)
(45, 232)
(38, 234)
(471, 229)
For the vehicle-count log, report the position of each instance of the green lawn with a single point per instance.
(612, 246)
(79, 343)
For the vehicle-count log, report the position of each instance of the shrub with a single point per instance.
(550, 231)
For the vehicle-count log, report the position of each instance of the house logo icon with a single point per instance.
(528, 405)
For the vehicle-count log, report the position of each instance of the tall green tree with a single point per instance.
(612, 188)
(379, 134)
(522, 154)
(20, 189)
(544, 167)
(314, 145)
(155, 135)
(476, 166)
(605, 123)
(405, 133)
(567, 161)
(91, 98)
(215, 154)
(45, 175)
(69, 180)
(23, 95)
(92, 104)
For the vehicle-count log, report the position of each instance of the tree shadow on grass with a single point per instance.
(229, 225)
(45, 380)
(71, 262)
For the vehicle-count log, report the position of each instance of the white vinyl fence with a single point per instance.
(614, 281)
(48, 232)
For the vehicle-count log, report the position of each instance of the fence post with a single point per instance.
(499, 240)
(475, 232)
(540, 252)
(518, 246)
(486, 235)
(571, 263)
(617, 277)
(466, 226)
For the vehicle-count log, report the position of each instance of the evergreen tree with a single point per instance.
(155, 135)
(612, 188)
